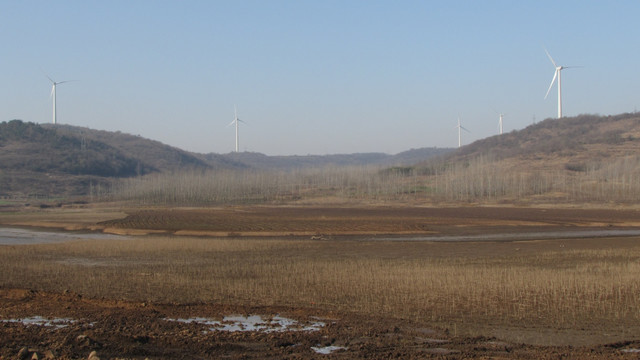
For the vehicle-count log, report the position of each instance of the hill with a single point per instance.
(46, 160)
(158, 157)
(57, 160)
(576, 156)
(558, 143)
(587, 158)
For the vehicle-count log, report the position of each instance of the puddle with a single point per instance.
(326, 350)
(631, 350)
(17, 236)
(57, 323)
(253, 323)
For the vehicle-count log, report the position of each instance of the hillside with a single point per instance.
(157, 156)
(46, 160)
(558, 143)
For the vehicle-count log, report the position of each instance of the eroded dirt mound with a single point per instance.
(68, 326)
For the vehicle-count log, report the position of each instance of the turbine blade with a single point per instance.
(555, 75)
(231, 123)
(550, 58)
(464, 128)
(53, 88)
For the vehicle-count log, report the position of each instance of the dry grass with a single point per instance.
(542, 284)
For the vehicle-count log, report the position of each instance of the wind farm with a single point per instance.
(334, 213)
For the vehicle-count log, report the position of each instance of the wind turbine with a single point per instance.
(235, 121)
(500, 122)
(53, 95)
(558, 75)
(460, 128)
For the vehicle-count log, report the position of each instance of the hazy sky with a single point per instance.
(315, 77)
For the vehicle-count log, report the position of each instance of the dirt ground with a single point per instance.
(115, 329)
(336, 221)
(132, 330)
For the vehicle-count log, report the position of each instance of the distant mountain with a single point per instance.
(415, 156)
(266, 162)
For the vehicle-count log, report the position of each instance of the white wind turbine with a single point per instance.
(53, 95)
(236, 121)
(558, 75)
(460, 128)
(500, 121)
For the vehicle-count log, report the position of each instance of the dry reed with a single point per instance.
(554, 288)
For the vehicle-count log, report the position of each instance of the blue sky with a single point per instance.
(315, 77)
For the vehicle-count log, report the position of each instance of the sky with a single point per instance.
(315, 77)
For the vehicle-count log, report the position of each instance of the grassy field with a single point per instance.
(588, 290)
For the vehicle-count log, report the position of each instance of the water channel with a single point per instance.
(21, 236)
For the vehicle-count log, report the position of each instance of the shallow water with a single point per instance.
(326, 350)
(57, 323)
(253, 323)
(537, 235)
(17, 236)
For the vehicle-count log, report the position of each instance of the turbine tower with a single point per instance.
(500, 121)
(53, 95)
(558, 75)
(460, 128)
(235, 121)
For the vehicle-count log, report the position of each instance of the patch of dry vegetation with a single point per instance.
(591, 285)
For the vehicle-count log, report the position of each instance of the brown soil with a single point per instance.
(116, 329)
(279, 221)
